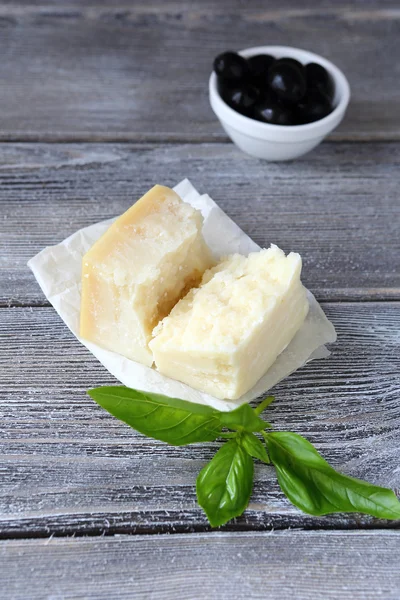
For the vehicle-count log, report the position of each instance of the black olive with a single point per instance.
(259, 66)
(242, 99)
(231, 67)
(319, 79)
(270, 110)
(312, 107)
(224, 88)
(292, 61)
(287, 81)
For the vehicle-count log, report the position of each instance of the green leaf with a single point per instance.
(316, 488)
(242, 417)
(253, 446)
(170, 420)
(224, 485)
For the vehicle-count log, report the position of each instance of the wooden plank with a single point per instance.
(338, 207)
(301, 565)
(139, 71)
(68, 467)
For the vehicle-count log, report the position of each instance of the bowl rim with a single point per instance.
(256, 128)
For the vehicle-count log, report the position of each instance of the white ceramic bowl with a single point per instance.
(281, 142)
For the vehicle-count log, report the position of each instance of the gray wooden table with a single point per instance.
(98, 101)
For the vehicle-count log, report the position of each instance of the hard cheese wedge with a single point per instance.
(222, 337)
(137, 271)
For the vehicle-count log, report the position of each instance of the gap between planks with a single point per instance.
(112, 532)
(349, 297)
(145, 138)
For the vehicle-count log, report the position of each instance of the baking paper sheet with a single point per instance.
(58, 272)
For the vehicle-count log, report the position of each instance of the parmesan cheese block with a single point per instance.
(138, 270)
(223, 336)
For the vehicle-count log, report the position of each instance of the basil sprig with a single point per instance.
(224, 485)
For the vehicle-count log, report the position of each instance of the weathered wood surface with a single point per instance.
(68, 467)
(339, 207)
(304, 566)
(139, 71)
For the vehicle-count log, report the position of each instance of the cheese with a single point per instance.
(137, 271)
(222, 337)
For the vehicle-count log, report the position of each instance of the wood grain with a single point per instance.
(339, 207)
(138, 71)
(305, 566)
(68, 467)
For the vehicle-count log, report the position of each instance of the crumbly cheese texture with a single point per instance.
(223, 336)
(138, 270)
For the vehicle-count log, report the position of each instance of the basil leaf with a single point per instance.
(224, 485)
(316, 488)
(253, 446)
(170, 420)
(242, 417)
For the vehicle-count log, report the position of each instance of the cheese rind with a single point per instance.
(222, 337)
(138, 270)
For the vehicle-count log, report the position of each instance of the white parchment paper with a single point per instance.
(58, 272)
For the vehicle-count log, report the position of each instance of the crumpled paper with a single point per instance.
(58, 272)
